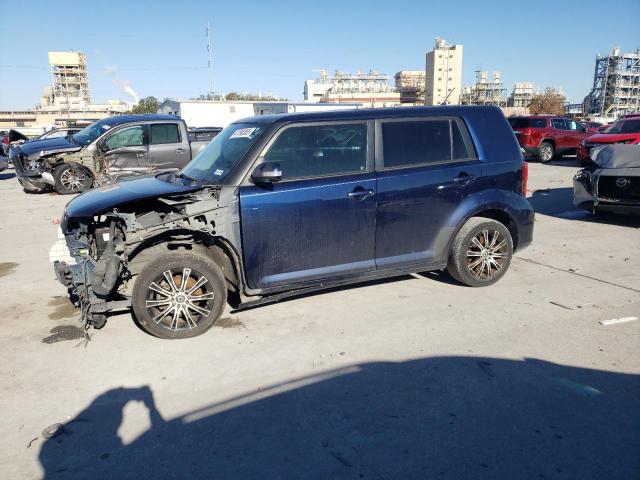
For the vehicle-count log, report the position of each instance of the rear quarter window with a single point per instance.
(523, 122)
(420, 142)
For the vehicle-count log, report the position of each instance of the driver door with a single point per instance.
(125, 152)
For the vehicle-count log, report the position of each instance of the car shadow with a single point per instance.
(568, 161)
(558, 202)
(440, 417)
(7, 175)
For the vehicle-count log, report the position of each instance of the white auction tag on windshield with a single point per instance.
(218, 172)
(243, 133)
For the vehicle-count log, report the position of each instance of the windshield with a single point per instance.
(90, 133)
(625, 126)
(523, 122)
(218, 158)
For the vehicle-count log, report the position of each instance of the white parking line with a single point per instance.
(617, 320)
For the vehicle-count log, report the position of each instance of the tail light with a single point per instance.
(525, 178)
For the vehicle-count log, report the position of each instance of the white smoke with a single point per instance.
(124, 85)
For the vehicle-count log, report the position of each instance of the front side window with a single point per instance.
(574, 126)
(164, 133)
(319, 150)
(416, 142)
(558, 123)
(127, 137)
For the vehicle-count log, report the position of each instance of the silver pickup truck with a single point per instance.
(103, 152)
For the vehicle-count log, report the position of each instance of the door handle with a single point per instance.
(464, 179)
(179, 150)
(141, 154)
(360, 193)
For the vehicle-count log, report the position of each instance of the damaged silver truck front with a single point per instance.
(612, 182)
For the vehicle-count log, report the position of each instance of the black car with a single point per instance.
(281, 205)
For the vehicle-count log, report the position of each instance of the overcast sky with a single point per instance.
(272, 46)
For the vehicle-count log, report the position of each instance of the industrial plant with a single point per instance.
(616, 85)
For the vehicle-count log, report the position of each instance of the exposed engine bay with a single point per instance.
(109, 250)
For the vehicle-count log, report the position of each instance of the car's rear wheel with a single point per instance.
(70, 178)
(546, 152)
(179, 295)
(481, 252)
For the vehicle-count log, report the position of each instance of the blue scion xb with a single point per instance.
(282, 205)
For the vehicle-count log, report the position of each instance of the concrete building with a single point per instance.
(443, 74)
(410, 84)
(70, 80)
(369, 89)
(616, 86)
(216, 113)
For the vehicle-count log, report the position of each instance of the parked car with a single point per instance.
(4, 162)
(105, 151)
(547, 136)
(612, 182)
(592, 127)
(626, 130)
(57, 132)
(9, 139)
(281, 205)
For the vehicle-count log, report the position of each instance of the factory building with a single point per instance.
(521, 94)
(443, 74)
(486, 91)
(410, 84)
(369, 89)
(67, 100)
(616, 85)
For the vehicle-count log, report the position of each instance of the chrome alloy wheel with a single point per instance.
(487, 254)
(72, 179)
(546, 152)
(179, 300)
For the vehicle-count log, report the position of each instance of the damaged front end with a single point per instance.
(104, 247)
(612, 183)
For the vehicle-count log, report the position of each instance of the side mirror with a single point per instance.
(267, 172)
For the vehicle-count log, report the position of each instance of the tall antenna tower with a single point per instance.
(208, 30)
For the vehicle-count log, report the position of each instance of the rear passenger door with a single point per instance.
(167, 148)
(425, 168)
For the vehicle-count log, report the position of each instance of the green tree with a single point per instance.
(551, 102)
(146, 105)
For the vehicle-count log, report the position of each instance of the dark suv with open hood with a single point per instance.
(281, 205)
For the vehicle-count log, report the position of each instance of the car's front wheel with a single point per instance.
(70, 178)
(481, 252)
(179, 295)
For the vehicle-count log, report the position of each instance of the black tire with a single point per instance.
(177, 315)
(546, 152)
(465, 252)
(71, 178)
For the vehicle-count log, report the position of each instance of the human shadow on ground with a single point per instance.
(441, 417)
(558, 202)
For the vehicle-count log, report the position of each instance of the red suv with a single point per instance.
(625, 130)
(546, 136)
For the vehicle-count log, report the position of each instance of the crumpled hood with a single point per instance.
(48, 146)
(617, 156)
(106, 198)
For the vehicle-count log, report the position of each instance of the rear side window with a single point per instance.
(422, 142)
(523, 122)
(558, 123)
(164, 133)
(320, 150)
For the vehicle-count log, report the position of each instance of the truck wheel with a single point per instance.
(179, 295)
(546, 152)
(71, 178)
(481, 252)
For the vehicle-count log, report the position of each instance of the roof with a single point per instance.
(145, 117)
(364, 114)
